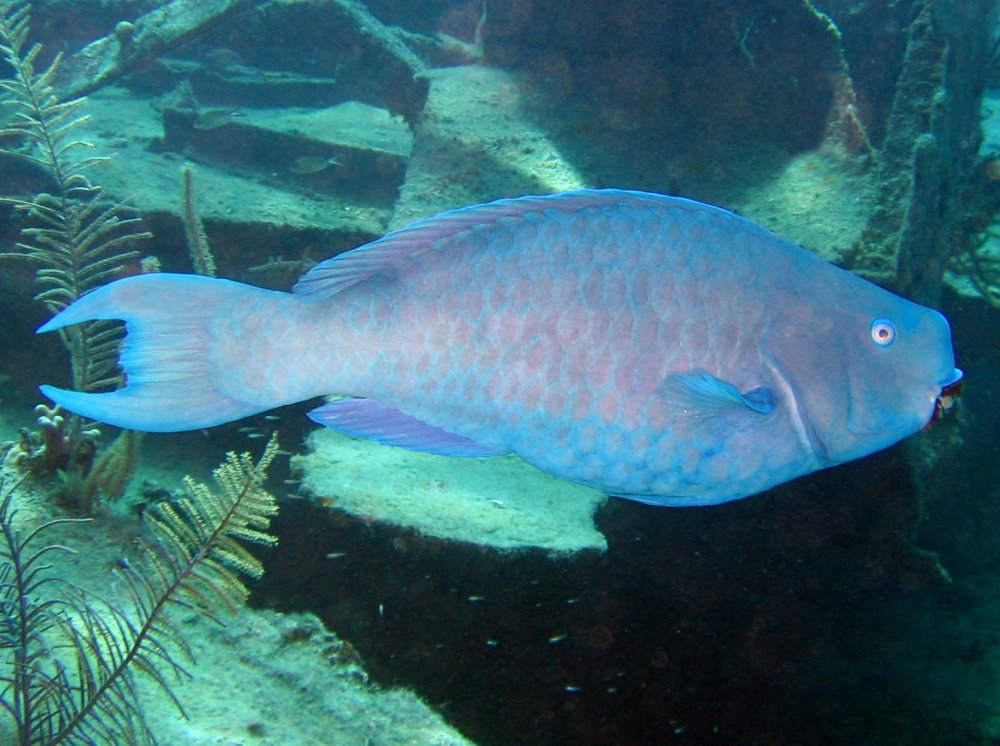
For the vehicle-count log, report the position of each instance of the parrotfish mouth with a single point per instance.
(950, 391)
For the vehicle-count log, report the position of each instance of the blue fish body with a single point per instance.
(648, 346)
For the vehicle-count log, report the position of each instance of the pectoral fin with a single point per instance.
(699, 394)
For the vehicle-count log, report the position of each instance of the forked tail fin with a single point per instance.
(172, 380)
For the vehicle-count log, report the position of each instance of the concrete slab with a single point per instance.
(502, 503)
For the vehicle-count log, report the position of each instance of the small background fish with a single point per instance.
(312, 164)
(215, 118)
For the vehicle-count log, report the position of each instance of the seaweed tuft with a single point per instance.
(70, 658)
(78, 238)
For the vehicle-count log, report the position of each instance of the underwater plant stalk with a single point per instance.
(195, 561)
(78, 239)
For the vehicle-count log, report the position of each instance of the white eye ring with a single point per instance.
(883, 332)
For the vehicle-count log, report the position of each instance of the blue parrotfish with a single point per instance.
(651, 347)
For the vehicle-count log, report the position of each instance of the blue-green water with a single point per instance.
(855, 605)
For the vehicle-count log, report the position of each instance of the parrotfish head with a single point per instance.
(864, 368)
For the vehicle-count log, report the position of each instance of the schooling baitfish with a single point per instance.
(648, 346)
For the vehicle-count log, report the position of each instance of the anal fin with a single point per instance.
(364, 418)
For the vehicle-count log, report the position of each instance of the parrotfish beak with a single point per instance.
(956, 377)
(950, 391)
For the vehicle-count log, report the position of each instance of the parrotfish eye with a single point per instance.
(883, 332)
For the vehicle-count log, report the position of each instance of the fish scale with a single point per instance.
(648, 346)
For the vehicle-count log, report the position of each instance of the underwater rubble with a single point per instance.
(313, 126)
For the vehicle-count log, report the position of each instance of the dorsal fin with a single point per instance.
(351, 267)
